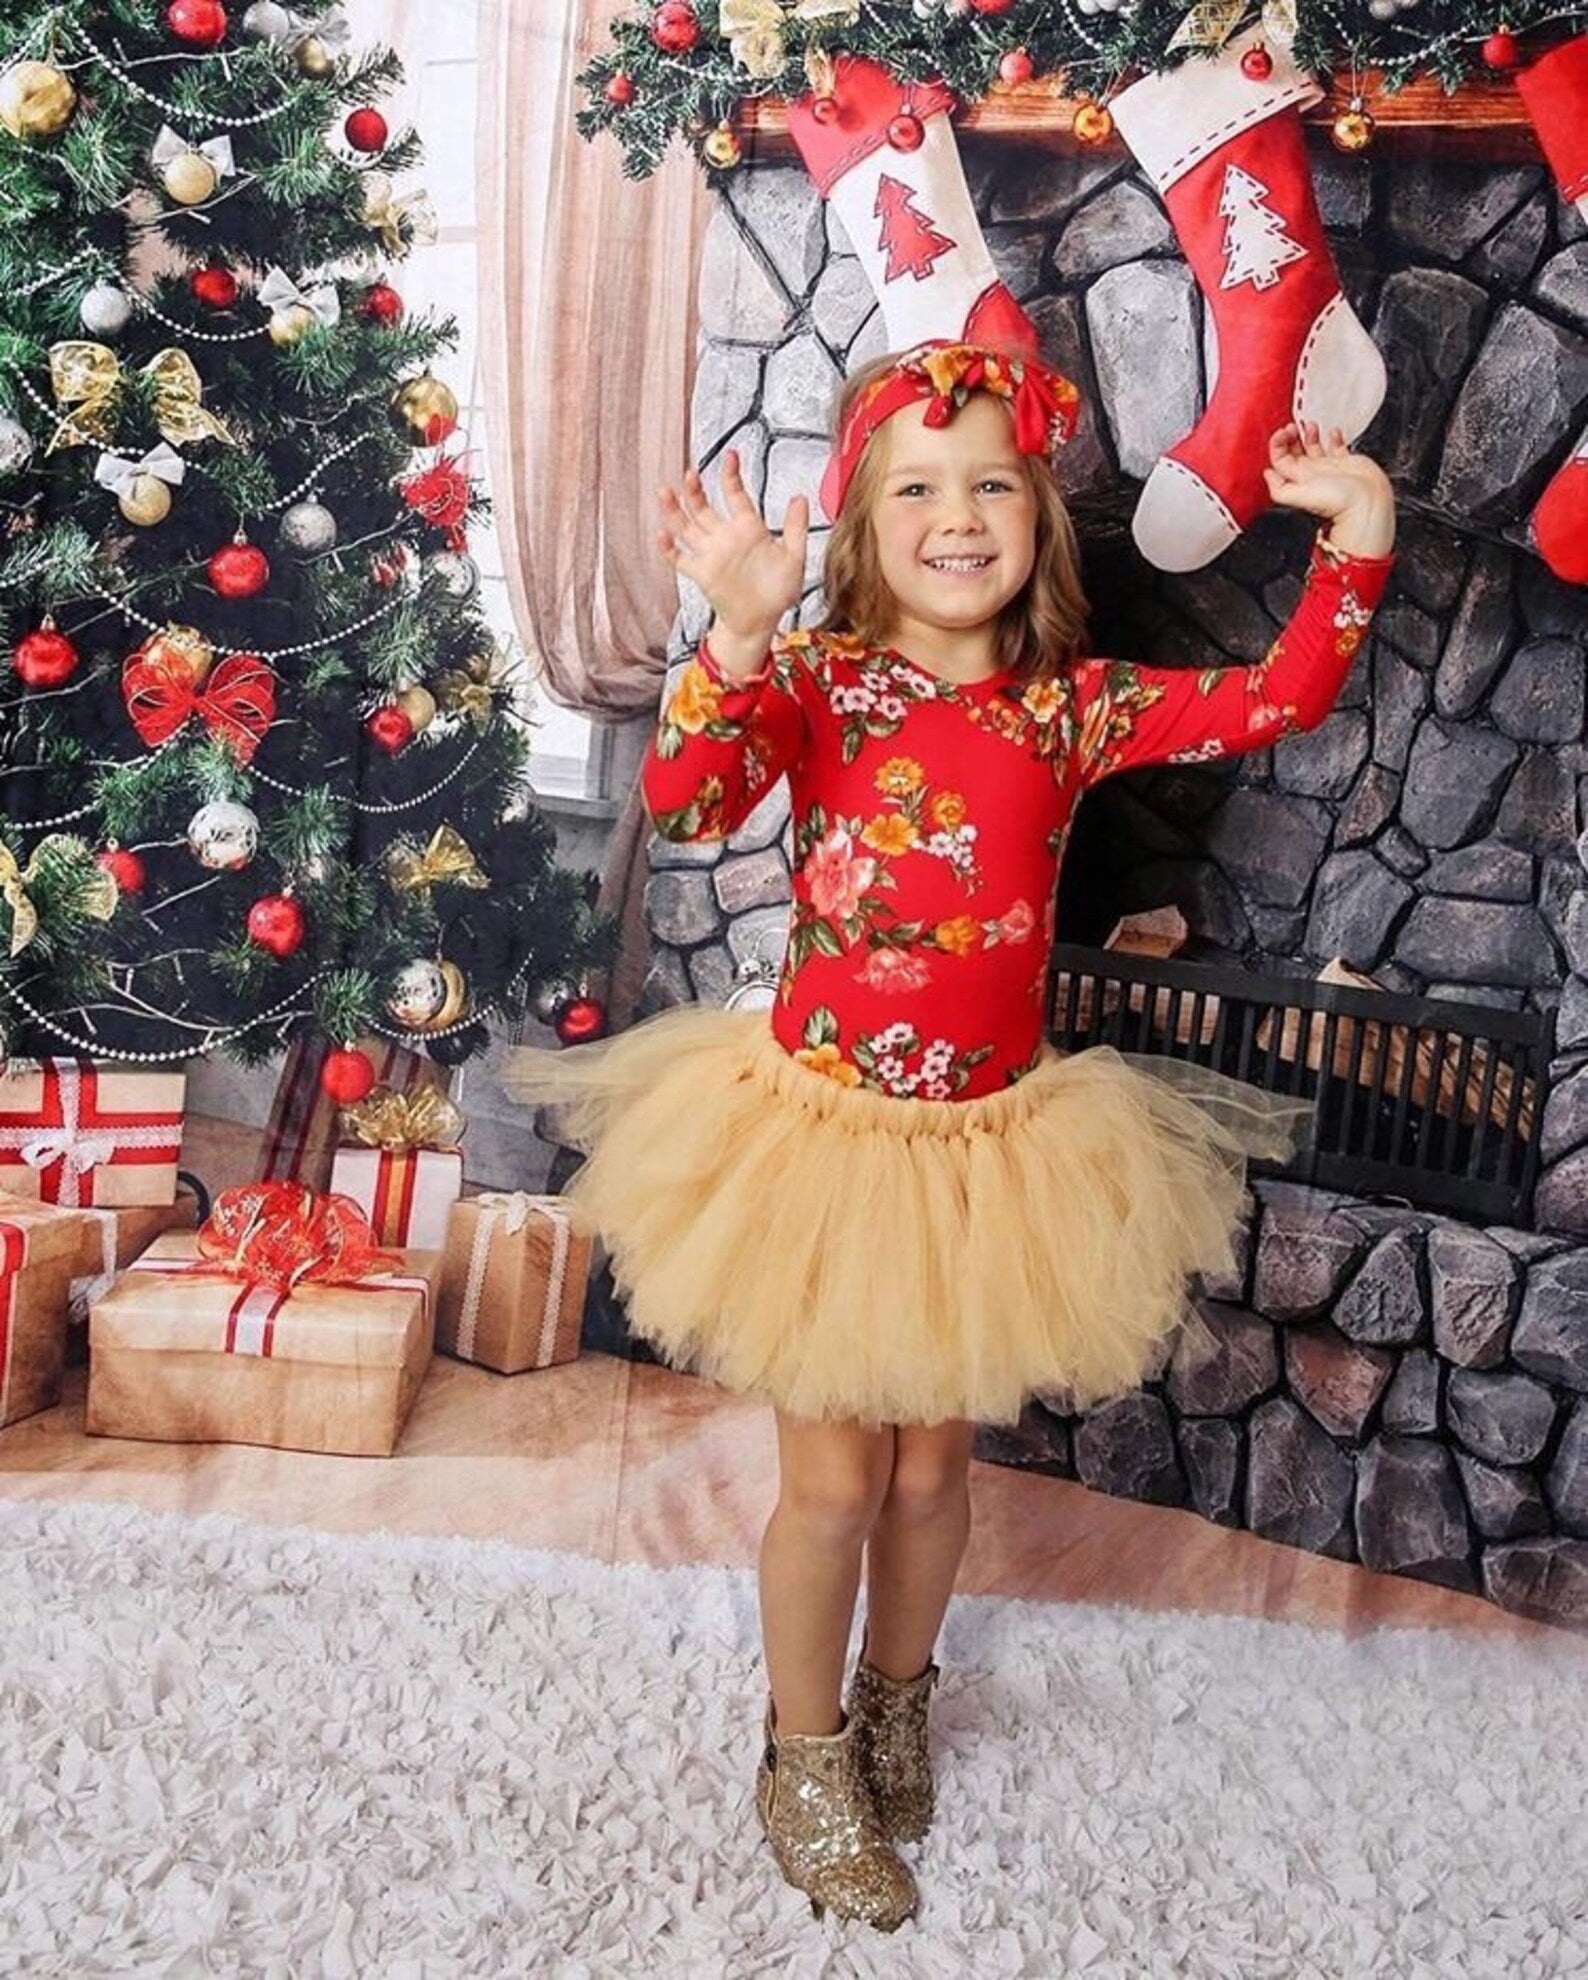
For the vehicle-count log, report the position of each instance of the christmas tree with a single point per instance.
(260, 769)
(1256, 245)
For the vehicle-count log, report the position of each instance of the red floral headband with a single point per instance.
(1045, 403)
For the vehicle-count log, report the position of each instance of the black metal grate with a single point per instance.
(1436, 1102)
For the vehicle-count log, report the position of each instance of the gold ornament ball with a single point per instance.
(183, 650)
(315, 60)
(424, 408)
(722, 149)
(147, 502)
(190, 178)
(36, 100)
(292, 324)
(1353, 130)
(456, 1001)
(419, 705)
(1093, 124)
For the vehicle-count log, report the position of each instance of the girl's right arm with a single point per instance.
(733, 723)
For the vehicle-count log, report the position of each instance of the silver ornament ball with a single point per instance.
(309, 528)
(265, 21)
(417, 993)
(1382, 10)
(549, 999)
(106, 310)
(16, 445)
(223, 836)
(458, 575)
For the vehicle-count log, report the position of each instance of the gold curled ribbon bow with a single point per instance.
(385, 1118)
(87, 378)
(97, 895)
(471, 689)
(388, 213)
(446, 858)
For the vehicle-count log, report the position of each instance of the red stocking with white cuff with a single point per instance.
(1555, 90)
(1222, 141)
(884, 155)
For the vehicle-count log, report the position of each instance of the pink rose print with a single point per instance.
(1017, 924)
(836, 878)
(895, 969)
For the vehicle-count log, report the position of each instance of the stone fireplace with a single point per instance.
(1398, 1387)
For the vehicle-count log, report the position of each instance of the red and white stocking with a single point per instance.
(884, 155)
(1224, 146)
(1555, 91)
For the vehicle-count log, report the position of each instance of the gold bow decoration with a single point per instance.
(1210, 23)
(88, 378)
(755, 29)
(385, 1118)
(471, 689)
(447, 859)
(96, 897)
(389, 214)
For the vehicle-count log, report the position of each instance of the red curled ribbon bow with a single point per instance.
(1045, 404)
(283, 1235)
(236, 703)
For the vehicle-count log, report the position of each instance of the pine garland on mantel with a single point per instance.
(685, 67)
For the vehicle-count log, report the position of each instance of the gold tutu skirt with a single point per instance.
(852, 1256)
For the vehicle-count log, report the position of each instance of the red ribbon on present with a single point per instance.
(71, 1135)
(282, 1235)
(236, 703)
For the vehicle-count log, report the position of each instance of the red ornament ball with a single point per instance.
(581, 1018)
(124, 867)
(347, 1075)
(389, 728)
(906, 132)
(619, 90)
(238, 570)
(275, 924)
(214, 286)
(381, 304)
(991, 7)
(44, 659)
(200, 23)
(365, 130)
(1257, 65)
(825, 109)
(675, 27)
(1501, 51)
(1016, 67)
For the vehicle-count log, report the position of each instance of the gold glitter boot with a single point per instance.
(824, 1830)
(889, 1716)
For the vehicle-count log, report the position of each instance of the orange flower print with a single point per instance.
(830, 1063)
(1044, 699)
(947, 811)
(696, 700)
(959, 935)
(892, 834)
(836, 876)
(894, 970)
(899, 776)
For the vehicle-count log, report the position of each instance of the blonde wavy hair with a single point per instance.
(1040, 630)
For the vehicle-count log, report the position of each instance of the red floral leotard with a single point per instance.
(930, 817)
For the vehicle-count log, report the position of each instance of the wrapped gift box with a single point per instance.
(112, 1239)
(185, 1357)
(74, 1133)
(405, 1193)
(513, 1281)
(40, 1248)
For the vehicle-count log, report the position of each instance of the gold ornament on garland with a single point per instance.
(36, 101)
(291, 325)
(190, 172)
(1093, 122)
(143, 487)
(447, 858)
(88, 377)
(456, 1002)
(1353, 128)
(419, 705)
(722, 148)
(96, 897)
(424, 410)
(180, 651)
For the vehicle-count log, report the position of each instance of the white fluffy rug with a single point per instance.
(227, 1748)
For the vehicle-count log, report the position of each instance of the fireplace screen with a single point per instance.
(1433, 1102)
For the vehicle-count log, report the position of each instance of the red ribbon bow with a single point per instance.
(283, 1235)
(236, 703)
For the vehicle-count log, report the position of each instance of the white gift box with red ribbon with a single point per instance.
(75, 1134)
(406, 1193)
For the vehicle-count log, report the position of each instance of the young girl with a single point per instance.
(898, 1211)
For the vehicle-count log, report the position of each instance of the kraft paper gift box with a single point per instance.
(183, 1357)
(40, 1248)
(73, 1133)
(112, 1239)
(402, 1167)
(513, 1282)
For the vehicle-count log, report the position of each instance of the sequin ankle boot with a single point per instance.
(824, 1830)
(889, 1716)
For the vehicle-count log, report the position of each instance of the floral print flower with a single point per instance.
(696, 701)
(895, 971)
(890, 834)
(836, 876)
(830, 1063)
(947, 810)
(1017, 923)
(900, 776)
(958, 935)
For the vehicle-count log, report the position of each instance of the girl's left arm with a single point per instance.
(1128, 715)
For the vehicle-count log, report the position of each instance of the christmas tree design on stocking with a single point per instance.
(1555, 90)
(1223, 144)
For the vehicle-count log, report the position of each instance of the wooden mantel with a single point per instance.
(1481, 120)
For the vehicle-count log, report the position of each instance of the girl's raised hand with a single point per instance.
(749, 576)
(1322, 476)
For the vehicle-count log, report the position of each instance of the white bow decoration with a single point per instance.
(171, 145)
(119, 472)
(333, 31)
(278, 291)
(78, 1151)
(514, 1204)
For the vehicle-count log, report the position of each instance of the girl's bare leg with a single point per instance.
(917, 1544)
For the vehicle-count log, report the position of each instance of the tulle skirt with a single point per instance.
(849, 1255)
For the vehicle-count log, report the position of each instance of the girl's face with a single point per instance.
(955, 516)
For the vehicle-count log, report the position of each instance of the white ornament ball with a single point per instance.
(106, 310)
(223, 836)
(1383, 10)
(549, 999)
(16, 444)
(265, 21)
(309, 528)
(458, 575)
(417, 993)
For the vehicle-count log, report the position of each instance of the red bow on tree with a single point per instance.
(441, 496)
(285, 1234)
(236, 703)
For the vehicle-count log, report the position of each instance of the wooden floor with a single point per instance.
(624, 1461)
